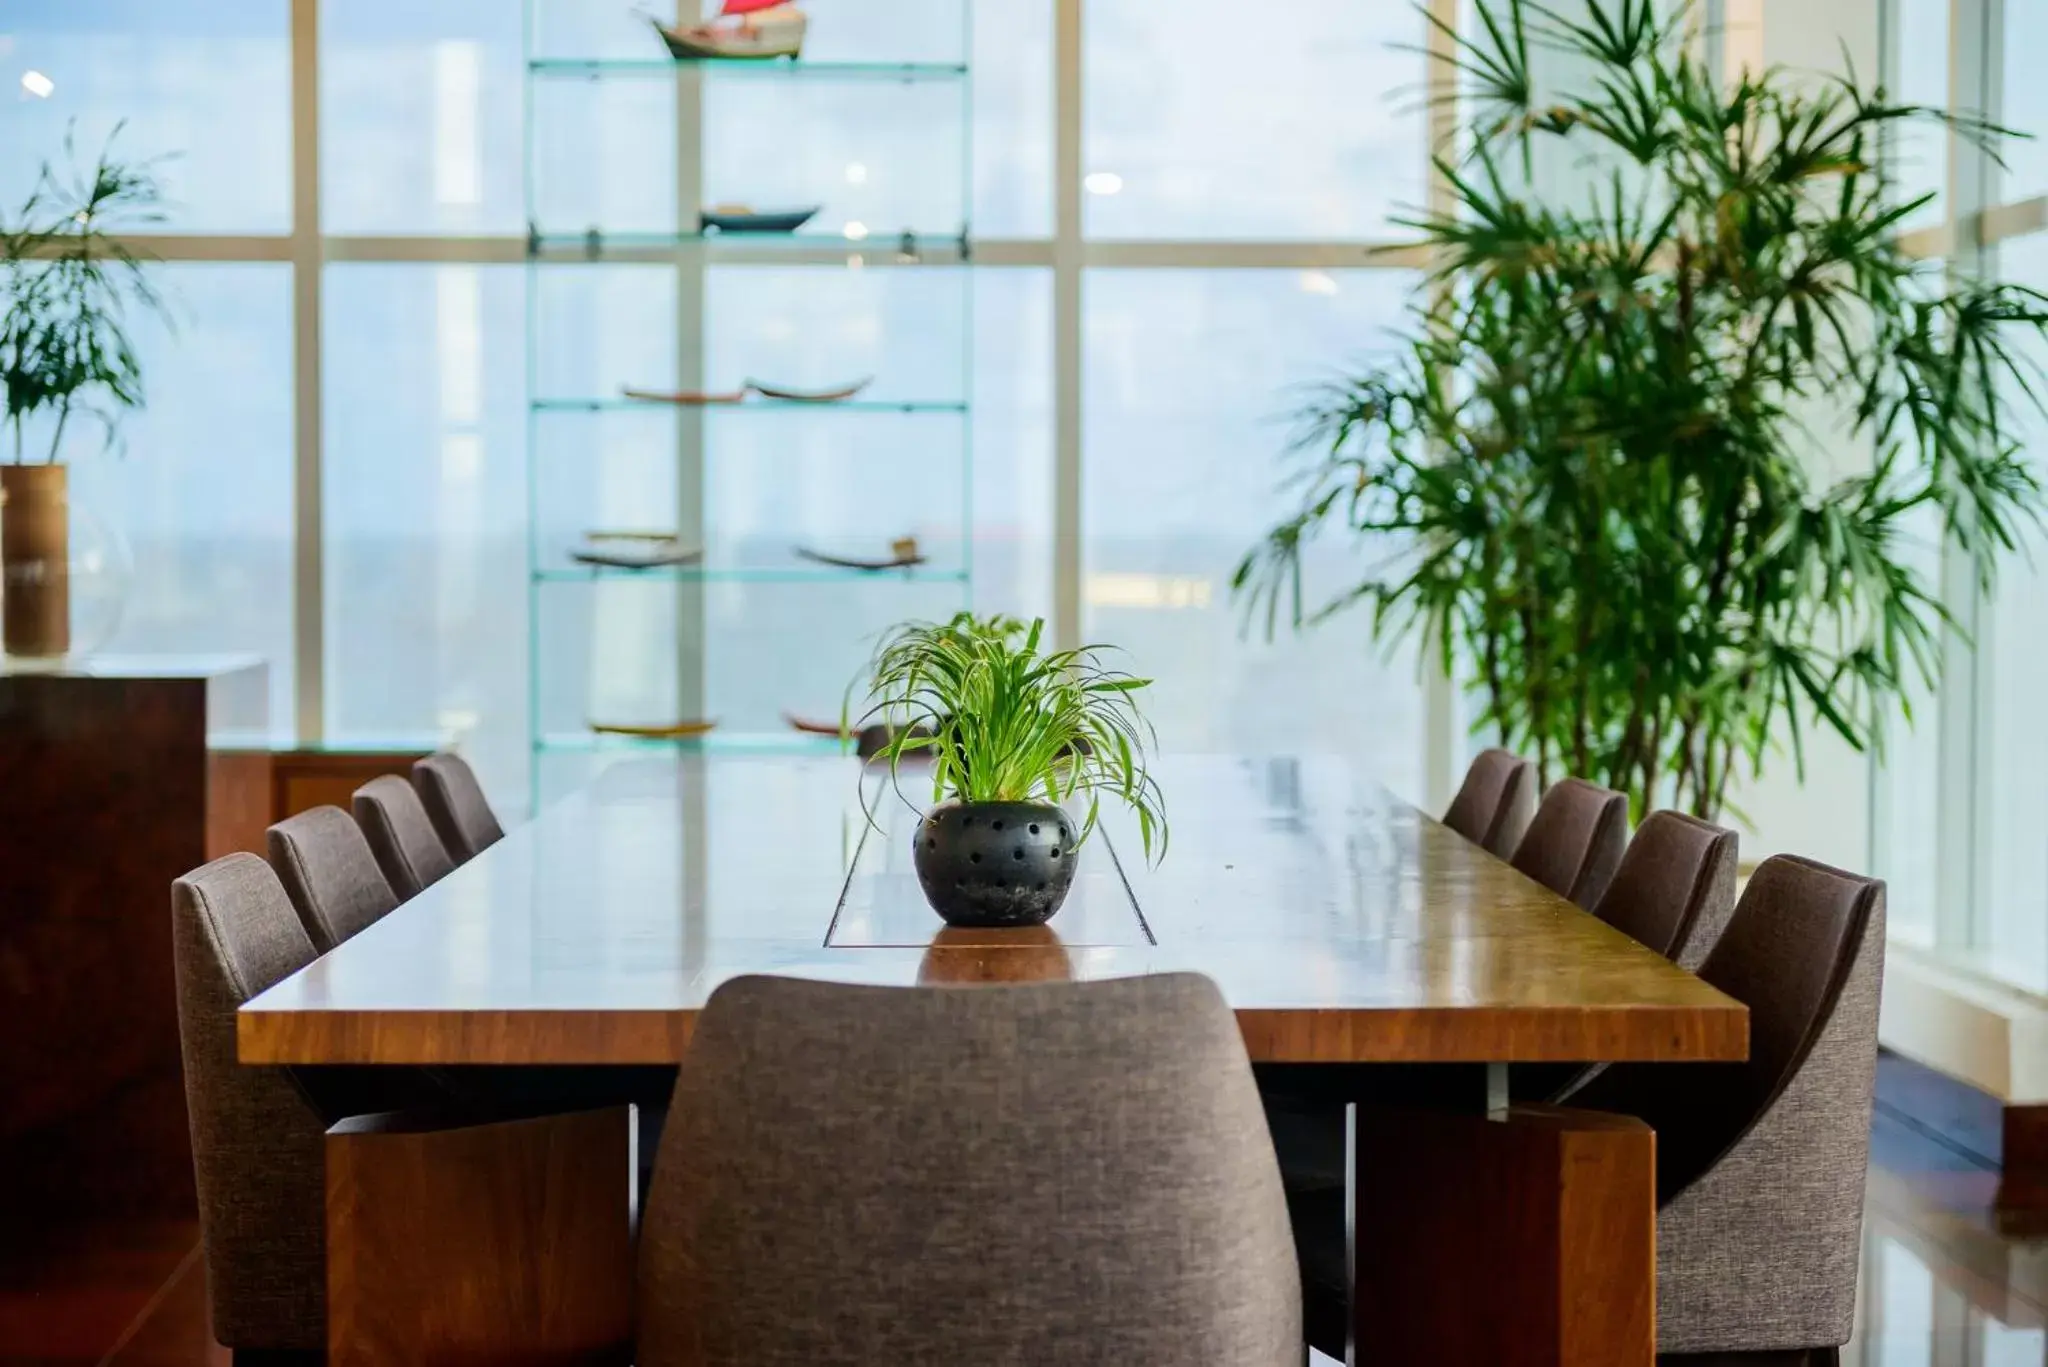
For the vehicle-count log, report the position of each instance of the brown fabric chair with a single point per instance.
(1673, 893)
(1761, 1164)
(1070, 1172)
(329, 872)
(259, 1135)
(401, 835)
(456, 805)
(1675, 888)
(1576, 840)
(1495, 802)
(256, 1144)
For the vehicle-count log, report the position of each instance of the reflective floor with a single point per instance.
(1943, 1284)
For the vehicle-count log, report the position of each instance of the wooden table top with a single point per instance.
(1341, 924)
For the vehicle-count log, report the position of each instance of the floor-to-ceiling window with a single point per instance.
(1961, 797)
(2006, 927)
(1173, 230)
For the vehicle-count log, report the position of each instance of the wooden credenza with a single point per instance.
(116, 776)
(324, 777)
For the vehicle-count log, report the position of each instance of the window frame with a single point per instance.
(1068, 252)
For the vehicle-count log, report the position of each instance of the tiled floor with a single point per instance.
(1943, 1286)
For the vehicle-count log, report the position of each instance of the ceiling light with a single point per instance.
(1319, 282)
(37, 84)
(856, 173)
(856, 231)
(1102, 183)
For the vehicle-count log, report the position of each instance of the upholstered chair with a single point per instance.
(1672, 893)
(456, 805)
(1675, 888)
(256, 1142)
(328, 870)
(1495, 802)
(401, 835)
(1576, 840)
(1761, 1164)
(264, 1152)
(1069, 1172)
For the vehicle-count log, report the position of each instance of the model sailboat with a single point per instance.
(764, 29)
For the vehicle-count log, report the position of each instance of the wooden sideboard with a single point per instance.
(306, 778)
(116, 776)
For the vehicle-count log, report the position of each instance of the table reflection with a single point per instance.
(1023, 954)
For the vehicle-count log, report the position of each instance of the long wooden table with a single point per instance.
(1341, 924)
(1343, 927)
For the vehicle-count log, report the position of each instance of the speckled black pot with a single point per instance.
(995, 863)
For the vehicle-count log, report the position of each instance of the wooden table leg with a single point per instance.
(507, 1242)
(1526, 1239)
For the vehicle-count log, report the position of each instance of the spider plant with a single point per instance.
(1589, 477)
(1004, 721)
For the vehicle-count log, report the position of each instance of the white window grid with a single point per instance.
(1973, 227)
(1068, 253)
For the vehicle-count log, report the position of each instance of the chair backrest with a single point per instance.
(1794, 952)
(401, 835)
(1675, 887)
(1576, 840)
(456, 804)
(1071, 1172)
(1495, 802)
(256, 1146)
(328, 870)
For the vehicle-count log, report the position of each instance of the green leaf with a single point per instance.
(1008, 721)
(1581, 473)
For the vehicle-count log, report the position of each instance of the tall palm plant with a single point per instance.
(1594, 456)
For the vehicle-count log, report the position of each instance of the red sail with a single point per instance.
(749, 6)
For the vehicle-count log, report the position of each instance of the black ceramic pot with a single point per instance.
(995, 863)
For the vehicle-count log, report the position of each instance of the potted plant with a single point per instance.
(1589, 476)
(68, 285)
(1014, 735)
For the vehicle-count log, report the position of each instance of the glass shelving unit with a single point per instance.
(624, 148)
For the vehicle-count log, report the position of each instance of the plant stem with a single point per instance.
(57, 437)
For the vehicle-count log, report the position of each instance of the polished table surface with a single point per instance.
(1340, 923)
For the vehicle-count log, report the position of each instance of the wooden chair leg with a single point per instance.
(1524, 1240)
(505, 1242)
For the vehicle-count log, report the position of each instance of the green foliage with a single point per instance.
(1593, 458)
(1003, 721)
(67, 287)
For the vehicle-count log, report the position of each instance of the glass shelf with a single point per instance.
(600, 68)
(571, 92)
(622, 405)
(747, 574)
(717, 742)
(591, 242)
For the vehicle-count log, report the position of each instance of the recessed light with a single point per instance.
(856, 231)
(37, 84)
(856, 173)
(1102, 182)
(1319, 282)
